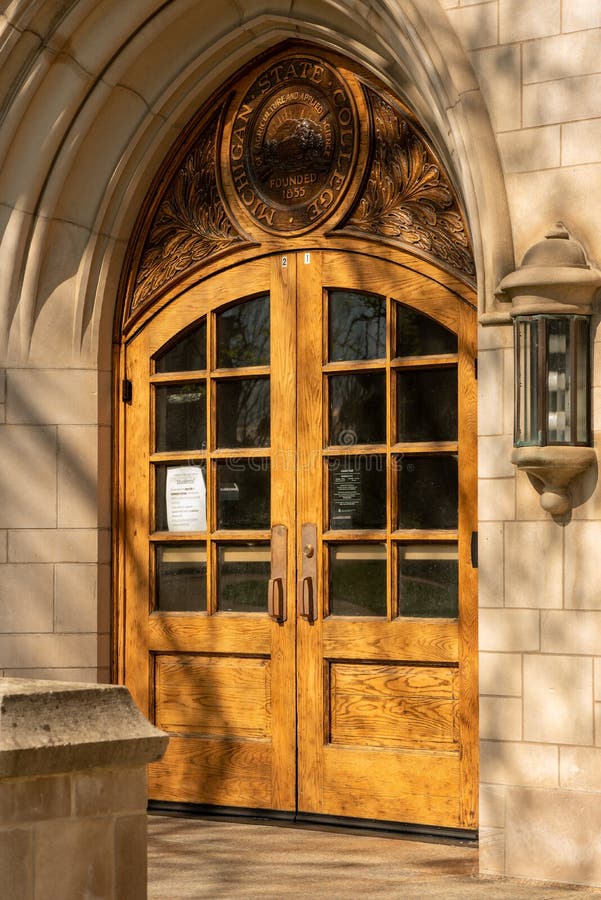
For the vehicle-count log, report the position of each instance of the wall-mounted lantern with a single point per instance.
(552, 295)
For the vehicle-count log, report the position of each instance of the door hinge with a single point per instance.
(126, 390)
(474, 549)
(476, 368)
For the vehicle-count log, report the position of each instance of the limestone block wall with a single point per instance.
(55, 448)
(539, 66)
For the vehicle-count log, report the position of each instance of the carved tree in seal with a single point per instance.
(407, 196)
(191, 223)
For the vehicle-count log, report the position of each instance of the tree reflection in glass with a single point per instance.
(358, 408)
(243, 334)
(243, 412)
(357, 326)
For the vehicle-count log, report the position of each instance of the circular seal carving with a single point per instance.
(293, 144)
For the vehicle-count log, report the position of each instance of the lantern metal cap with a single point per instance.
(555, 276)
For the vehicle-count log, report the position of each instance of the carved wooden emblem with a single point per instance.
(293, 144)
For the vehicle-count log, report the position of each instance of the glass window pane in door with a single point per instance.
(428, 491)
(428, 580)
(357, 326)
(420, 335)
(187, 354)
(243, 412)
(181, 416)
(427, 405)
(357, 408)
(181, 577)
(181, 496)
(357, 491)
(243, 334)
(358, 579)
(242, 577)
(243, 493)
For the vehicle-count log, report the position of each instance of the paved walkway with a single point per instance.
(201, 858)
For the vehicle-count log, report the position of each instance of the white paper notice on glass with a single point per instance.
(186, 499)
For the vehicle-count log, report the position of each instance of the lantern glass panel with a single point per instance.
(527, 425)
(552, 380)
(581, 345)
(559, 399)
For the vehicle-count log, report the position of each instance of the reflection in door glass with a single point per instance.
(427, 405)
(357, 408)
(358, 580)
(428, 580)
(181, 577)
(187, 354)
(243, 334)
(357, 326)
(419, 335)
(242, 577)
(357, 491)
(181, 416)
(243, 493)
(427, 491)
(243, 412)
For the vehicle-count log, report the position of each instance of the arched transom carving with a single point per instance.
(298, 146)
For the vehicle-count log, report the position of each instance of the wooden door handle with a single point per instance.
(276, 588)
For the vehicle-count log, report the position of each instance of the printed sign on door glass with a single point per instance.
(186, 499)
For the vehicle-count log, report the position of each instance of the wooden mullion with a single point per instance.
(390, 436)
(355, 534)
(240, 534)
(238, 373)
(241, 453)
(425, 535)
(211, 419)
(174, 456)
(429, 447)
(178, 377)
(424, 362)
(355, 450)
(351, 366)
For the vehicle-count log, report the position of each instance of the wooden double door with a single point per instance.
(298, 506)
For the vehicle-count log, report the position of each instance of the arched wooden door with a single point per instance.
(299, 604)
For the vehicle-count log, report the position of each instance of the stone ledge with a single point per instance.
(56, 726)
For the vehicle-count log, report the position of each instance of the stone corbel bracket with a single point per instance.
(554, 468)
(554, 278)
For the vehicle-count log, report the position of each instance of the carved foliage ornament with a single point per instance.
(407, 196)
(191, 223)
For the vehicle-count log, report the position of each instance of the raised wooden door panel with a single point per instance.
(213, 411)
(386, 657)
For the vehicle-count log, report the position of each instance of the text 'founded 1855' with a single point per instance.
(292, 144)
